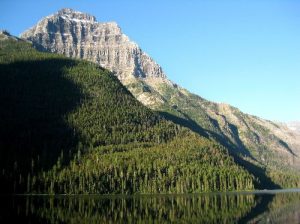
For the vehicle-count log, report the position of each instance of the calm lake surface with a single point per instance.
(282, 206)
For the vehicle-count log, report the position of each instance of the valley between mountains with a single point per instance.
(85, 110)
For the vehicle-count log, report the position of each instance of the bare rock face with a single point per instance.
(79, 35)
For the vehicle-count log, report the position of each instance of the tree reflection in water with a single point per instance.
(192, 208)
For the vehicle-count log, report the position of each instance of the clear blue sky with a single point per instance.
(245, 53)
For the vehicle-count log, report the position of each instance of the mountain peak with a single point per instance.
(77, 34)
(66, 11)
(72, 14)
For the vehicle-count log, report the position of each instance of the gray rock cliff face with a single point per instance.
(79, 35)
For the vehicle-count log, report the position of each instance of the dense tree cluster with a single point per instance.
(184, 165)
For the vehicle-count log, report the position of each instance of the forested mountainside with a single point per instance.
(273, 147)
(70, 126)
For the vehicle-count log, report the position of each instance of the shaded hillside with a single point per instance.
(69, 126)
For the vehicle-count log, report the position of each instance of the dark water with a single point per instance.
(255, 207)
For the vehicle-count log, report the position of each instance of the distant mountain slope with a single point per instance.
(267, 144)
(294, 126)
(70, 126)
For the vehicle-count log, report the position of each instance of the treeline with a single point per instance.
(184, 165)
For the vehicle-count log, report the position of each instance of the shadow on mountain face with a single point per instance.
(238, 147)
(188, 123)
(264, 182)
(35, 97)
(263, 205)
(287, 147)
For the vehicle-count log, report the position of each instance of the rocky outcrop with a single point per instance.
(5, 35)
(79, 35)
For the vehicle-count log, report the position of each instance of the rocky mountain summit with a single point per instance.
(79, 35)
(270, 145)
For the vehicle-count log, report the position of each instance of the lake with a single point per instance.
(278, 206)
